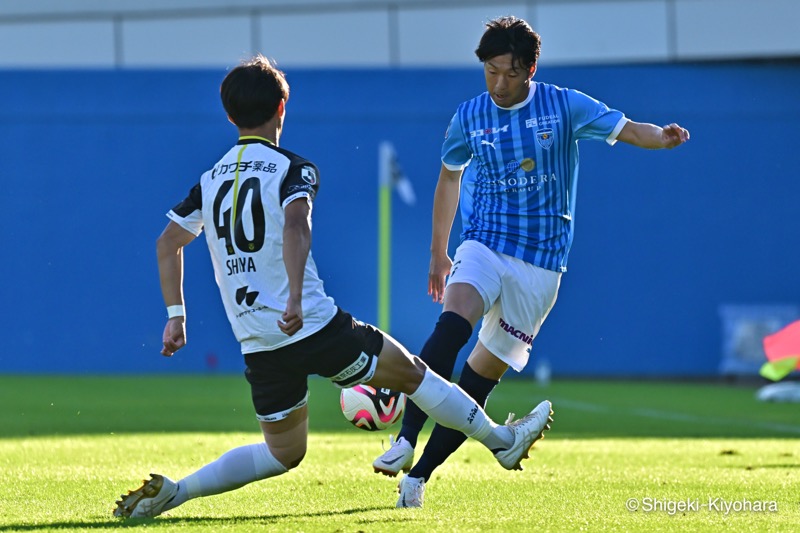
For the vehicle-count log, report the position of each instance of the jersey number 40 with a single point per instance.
(248, 195)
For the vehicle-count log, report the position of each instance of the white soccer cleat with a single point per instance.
(526, 431)
(148, 500)
(399, 456)
(412, 492)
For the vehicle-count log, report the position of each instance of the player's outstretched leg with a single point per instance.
(451, 407)
(526, 431)
(234, 469)
(440, 351)
(445, 441)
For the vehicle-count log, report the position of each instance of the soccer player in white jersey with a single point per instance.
(510, 157)
(255, 205)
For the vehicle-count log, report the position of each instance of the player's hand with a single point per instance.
(437, 274)
(673, 135)
(292, 319)
(174, 337)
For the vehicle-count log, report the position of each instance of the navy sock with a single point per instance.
(445, 441)
(440, 352)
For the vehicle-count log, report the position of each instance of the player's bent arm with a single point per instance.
(169, 248)
(296, 246)
(653, 137)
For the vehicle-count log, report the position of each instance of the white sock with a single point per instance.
(234, 469)
(450, 406)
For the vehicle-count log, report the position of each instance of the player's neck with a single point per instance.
(268, 132)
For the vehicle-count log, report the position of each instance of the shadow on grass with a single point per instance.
(759, 467)
(167, 522)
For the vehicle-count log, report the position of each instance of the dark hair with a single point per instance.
(252, 91)
(509, 35)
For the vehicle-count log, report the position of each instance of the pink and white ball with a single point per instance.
(372, 409)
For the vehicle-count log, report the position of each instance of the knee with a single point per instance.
(289, 456)
(287, 439)
(470, 311)
(465, 301)
(295, 462)
(401, 374)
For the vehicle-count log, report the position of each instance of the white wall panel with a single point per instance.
(737, 28)
(447, 37)
(382, 33)
(189, 42)
(584, 32)
(66, 44)
(335, 39)
(155, 7)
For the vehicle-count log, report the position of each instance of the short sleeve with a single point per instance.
(455, 150)
(592, 119)
(189, 213)
(302, 180)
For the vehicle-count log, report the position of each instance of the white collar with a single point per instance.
(520, 104)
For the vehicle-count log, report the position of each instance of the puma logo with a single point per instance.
(489, 143)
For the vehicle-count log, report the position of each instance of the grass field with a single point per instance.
(692, 457)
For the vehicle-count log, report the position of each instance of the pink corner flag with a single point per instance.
(784, 343)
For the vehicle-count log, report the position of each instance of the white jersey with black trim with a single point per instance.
(240, 202)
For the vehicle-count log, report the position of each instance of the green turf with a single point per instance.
(70, 445)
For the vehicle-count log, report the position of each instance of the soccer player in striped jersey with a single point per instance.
(510, 158)
(255, 205)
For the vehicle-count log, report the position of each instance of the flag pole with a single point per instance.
(385, 154)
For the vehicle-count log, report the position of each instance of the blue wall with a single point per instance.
(93, 160)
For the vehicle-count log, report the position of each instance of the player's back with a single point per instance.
(242, 201)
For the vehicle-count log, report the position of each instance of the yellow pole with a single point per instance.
(384, 255)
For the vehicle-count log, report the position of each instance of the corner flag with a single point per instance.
(390, 176)
(783, 352)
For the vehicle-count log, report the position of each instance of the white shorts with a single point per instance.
(517, 297)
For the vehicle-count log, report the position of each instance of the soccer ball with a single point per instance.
(372, 409)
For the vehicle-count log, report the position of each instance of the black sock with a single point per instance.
(445, 441)
(440, 352)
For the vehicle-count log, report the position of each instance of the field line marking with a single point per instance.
(677, 417)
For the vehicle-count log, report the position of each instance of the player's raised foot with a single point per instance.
(148, 500)
(526, 431)
(399, 456)
(412, 492)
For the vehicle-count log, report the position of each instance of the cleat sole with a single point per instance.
(387, 473)
(390, 473)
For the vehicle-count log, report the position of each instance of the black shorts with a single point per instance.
(344, 351)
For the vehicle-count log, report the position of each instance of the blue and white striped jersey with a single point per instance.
(518, 187)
